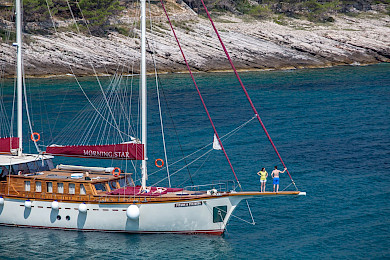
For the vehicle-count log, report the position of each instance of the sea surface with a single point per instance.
(331, 127)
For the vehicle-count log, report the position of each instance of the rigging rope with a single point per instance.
(107, 103)
(51, 17)
(200, 167)
(250, 212)
(110, 114)
(11, 127)
(71, 12)
(200, 95)
(176, 134)
(244, 89)
(13, 110)
(28, 113)
(94, 107)
(158, 99)
(90, 33)
(4, 120)
(253, 222)
(224, 137)
(5, 129)
(184, 166)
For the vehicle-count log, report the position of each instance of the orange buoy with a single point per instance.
(35, 139)
(159, 163)
(115, 172)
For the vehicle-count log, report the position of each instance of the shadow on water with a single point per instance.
(50, 244)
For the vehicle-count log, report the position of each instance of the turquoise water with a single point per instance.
(331, 126)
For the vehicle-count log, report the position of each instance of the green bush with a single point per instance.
(260, 11)
(7, 36)
(96, 12)
(37, 11)
(313, 10)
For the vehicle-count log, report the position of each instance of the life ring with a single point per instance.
(33, 137)
(156, 162)
(116, 173)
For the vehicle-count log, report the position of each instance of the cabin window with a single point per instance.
(27, 186)
(32, 167)
(42, 165)
(82, 190)
(125, 182)
(60, 188)
(45, 165)
(38, 186)
(49, 187)
(100, 187)
(20, 168)
(72, 188)
(113, 185)
(4, 171)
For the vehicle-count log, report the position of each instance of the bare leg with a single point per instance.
(277, 187)
(274, 187)
(264, 186)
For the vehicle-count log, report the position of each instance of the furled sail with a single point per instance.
(8, 144)
(123, 151)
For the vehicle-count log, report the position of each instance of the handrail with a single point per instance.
(223, 186)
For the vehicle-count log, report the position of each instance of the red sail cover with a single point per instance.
(128, 151)
(8, 143)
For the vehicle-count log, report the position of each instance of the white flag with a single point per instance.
(216, 145)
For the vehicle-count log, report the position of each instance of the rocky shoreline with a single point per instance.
(253, 45)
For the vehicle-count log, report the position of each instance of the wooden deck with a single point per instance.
(86, 189)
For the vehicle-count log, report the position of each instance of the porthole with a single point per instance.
(67, 218)
(59, 217)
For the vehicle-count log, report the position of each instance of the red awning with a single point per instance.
(8, 143)
(127, 151)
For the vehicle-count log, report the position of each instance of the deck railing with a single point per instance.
(220, 186)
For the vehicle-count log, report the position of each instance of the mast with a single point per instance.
(143, 92)
(18, 44)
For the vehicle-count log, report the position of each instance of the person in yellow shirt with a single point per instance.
(263, 178)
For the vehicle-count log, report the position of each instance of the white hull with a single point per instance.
(153, 218)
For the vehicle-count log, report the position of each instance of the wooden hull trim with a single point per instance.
(157, 200)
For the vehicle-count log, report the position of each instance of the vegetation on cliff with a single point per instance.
(97, 12)
(313, 10)
(99, 16)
